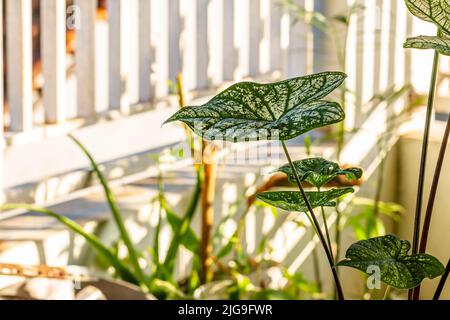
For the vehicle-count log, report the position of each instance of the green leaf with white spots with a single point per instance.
(293, 200)
(249, 111)
(318, 171)
(440, 44)
(390, 255)
(434, 11)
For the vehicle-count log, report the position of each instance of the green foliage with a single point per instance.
(318, 171)
(106, 253)
(390, 255)
(434, 11)
(277, 111)
(115, 213)
(293, 200)
(366, 217)
(438, 13)
(440, 44)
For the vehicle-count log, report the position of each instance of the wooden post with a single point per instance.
(53, 46)
(19, 57)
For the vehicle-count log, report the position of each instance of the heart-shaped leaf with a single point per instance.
(390, 255)
(435, 11)
(440, 44)
(278, 111)
(318, 171)
(293, 200)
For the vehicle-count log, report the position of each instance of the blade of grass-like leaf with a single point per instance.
(115, 212)
(183, 228)
(190, 241)
(92, 240)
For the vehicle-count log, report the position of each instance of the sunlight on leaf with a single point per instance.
(440, 44)
(318, 171)
(277, 111)
(390, 255)
(434, 11)
(293, 200)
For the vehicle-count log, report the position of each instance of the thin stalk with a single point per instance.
(441, 284)
(327, 231)
(423, 160)
(340, 293)
(386, 293)
(207, 211)
(432, 197)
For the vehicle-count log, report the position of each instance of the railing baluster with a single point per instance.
(85, 58)
(19, 57)
(53, 46)
(298, 46)
(146, 54)
(254, 37)
(119, 59)
(196, 56)
(275, 15)
(229, 50)
(166, 42)
(2, 110)
(222, 53)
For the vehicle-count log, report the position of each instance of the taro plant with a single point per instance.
(438, 13)
(282, 111)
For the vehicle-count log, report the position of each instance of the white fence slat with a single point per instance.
(202, 54)
(166, 24)
(53, 47)
(297, 59)
(241, 37)
(2, 97)
(229, 50)
(85, 56)
(174, 25)
(146, 51)
(275, 15)
(195, 43)
(19, 57)
(119, 45)
(2, 110)
(254, 37)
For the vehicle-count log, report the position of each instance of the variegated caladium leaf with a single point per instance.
(389, 255)
(434, 11)
(293, 200)
(318, 171)
(249, 111)
(440, 44)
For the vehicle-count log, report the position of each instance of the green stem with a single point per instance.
(340, 293)
(386, 293)
(423, 160)
(441, 284)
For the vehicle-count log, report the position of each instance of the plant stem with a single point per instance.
(386, 293)
(423, 160)
(207, 210)
(327, 231)
(340, 293)
(432, 197)
(441, 284)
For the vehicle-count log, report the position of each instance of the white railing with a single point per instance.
(129, 59)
